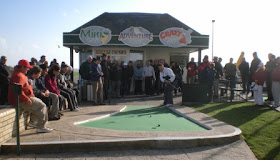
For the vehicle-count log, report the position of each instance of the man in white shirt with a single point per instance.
(167, 76)
(149, 75)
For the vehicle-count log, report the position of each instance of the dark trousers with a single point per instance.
(269, 89)
(4, 94)
(245, 84)
(168, 95)
(71, 98)
(149, 85)
(231, 84)
(138, 87)
(124, 87)
(105, 89)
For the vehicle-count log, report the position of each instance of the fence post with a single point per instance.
(17, 91)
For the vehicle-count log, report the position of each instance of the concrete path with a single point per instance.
(236, 150)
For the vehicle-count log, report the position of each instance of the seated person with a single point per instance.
(70, 83)
(27, 101)
(40, 91)
(51, 85)
(62, 86)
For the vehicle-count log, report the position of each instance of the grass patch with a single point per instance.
(76, 74)
(260, 125)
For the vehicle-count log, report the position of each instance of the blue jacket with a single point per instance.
(95, 76)
(138, 73)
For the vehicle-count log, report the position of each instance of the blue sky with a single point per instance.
(32, 28)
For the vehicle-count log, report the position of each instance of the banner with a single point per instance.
(136, 36)
(175, 37)
(95, 35)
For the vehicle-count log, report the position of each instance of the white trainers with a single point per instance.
(168, 105)
(44, 130)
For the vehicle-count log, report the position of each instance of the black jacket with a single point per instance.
(244, 69)
(85, 69)
(4, 75)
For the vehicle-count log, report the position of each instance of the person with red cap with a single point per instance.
(27, 101)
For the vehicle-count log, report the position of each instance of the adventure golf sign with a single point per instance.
(136, 36)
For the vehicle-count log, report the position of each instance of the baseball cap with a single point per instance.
(24, 63)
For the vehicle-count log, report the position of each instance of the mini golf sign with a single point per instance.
(95, 35)
(136, 36)
(175, 37)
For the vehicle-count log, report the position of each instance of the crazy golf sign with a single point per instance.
(175, 37)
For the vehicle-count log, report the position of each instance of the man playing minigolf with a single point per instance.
(167, 76)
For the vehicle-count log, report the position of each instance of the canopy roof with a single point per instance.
(118, 22)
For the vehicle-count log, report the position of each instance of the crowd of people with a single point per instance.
(47, 89)
(119, 79)
(253, 77)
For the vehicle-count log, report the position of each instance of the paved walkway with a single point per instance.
(236, 150)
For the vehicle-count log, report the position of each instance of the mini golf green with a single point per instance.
(145, 118)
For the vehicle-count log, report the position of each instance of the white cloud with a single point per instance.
(64, 14)
(77, 11)
(36, 46)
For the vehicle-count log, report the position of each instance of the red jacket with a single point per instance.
(191, 67)
(51, 84)
(259, 76)
(201, 67)
(26, 93)
(275, 76)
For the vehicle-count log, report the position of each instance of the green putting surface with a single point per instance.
(145, 118)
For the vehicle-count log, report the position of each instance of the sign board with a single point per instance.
(175, 37)
(95, 35)
(136, 36)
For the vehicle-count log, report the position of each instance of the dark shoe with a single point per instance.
(60, 114)
(102, 103)
(54, 118)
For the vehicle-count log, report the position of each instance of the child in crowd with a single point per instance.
(259, 77)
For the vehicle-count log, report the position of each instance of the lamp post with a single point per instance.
(213, 21)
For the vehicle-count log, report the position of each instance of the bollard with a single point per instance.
(17, 91)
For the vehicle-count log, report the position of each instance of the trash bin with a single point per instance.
(194, 93)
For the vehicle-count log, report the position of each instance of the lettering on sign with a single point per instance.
(95, 35)
(175, 37)
(136, 36)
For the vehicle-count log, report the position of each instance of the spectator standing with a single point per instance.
(270, 65)
(259, 77)
(254, 66)
(230, 73)
(244, 71)
(275, 77)
(157, 85)
(191, 68)
(205, 63)
(138, 77)
(42, 60)
(211, 77)
(4, 80)
(177, 70)
(218, 75)
(116, 77)
(130, 75)
(167, 76)
(106, 76)
(85, 72)
(149, 75)
(96, 79)
(27, 101)
(125, 79)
